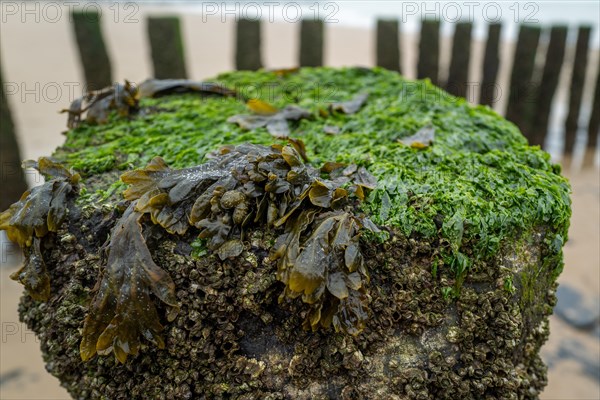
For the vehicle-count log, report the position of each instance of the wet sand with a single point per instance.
(40, 63)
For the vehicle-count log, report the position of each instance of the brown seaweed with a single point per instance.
(265, 115)
(98, 104)
(300, 147)
(332, 130)
(326, 269)
(163, 87)
(122, 310)
(261, 107)
(40, 210)
(239, 182)
(317, 253)
(351, 106)
(284, 72)
(33, 274)
(421, 139)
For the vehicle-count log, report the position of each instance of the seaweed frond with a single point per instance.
(97, 104)
(33, 274)
(163, 87)
(351, 106)
(124, 98)
(40, 210)
(122, 311)
(326, 269)
(265, 115)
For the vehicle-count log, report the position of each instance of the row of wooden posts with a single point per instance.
(529, 102)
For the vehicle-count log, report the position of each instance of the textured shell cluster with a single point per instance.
(233, 339)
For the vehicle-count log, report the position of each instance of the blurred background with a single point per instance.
(534, 62)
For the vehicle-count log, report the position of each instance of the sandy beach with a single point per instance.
(42, 72)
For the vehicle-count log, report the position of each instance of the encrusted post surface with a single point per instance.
(462, 274)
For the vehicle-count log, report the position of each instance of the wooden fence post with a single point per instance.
(388, 44)
(552, 67)
(576, 92)
(429, 51)
(92, 50)
(166, 47)
(593, 126)
(491, 64)
(247, 52)
(311, 43)
(458, 74)
(12, 178)
(520, 101)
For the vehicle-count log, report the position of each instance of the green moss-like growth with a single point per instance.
(462, 276)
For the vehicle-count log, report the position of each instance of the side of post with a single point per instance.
(593, 126)
(549, 83)
(488, 94)
(13, 180)
(311, 43)
(166, 47)
(248, 45)
(92, 50)
(429, 51)
(458, 74)
(520, 101)
(576, 92)
(388, 45)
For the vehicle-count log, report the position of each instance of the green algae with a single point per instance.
(479, 182)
